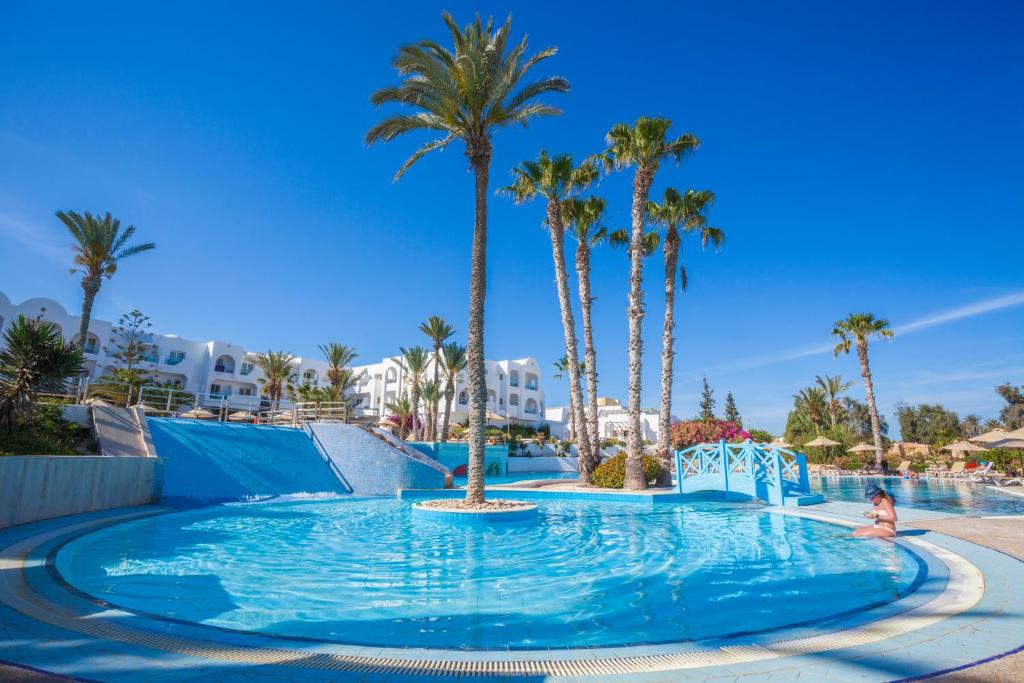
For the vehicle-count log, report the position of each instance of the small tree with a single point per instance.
(129, 348)
(732, 414)
(1012, 414)
(707, 402)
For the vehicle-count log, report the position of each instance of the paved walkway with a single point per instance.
(1005, 535)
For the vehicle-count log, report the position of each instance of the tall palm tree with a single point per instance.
(833, 388)
(467, 93)
(278, 368)
(100, 245)
(677, 214)
(453, 359)
(439, 332)
(584, 217)
(644, 146)
(338, 376)
(414, 363)
(556, 179)
(857, 329)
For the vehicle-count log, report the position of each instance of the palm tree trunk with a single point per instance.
(481, 161)
(869, 391)
(449, 396)
(671, 250)
(437, 399)
(415, 414)
(557, 231)
(634, 439)
(91, 286)
(589, 357)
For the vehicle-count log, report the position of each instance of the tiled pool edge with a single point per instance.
(426, 663)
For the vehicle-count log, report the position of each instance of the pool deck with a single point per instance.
(969, 609)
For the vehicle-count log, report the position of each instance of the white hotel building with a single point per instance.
(219, 371)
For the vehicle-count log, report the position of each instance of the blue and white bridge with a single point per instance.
(772, 474)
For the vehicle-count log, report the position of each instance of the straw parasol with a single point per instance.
(494, 417)
(240, 416)
(961, 447)
(862, 448)
(779, 442)
(198, 414)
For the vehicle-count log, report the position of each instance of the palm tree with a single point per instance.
(556, 179)
(414, 363)
(34, 359)
(278, 368)
(833, 388)
(338, 356)
(644, 146)
(453, 359)
(687, 213)
(439, 332)
(970, 426)
(584, 217)
(401, 414)
(100, 245)
(467, 94)
(561, 370)
(431, 394)
(857, 329)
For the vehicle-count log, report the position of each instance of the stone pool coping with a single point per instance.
(936, 620)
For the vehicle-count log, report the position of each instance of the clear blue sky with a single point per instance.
(866, 156)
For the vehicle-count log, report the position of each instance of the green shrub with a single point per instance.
(46, 432)
(611, 474)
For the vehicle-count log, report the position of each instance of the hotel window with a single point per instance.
(531, 381)
(92, 343)
(463, 398)
(215, 389)
(245, 391)
(246, 368)
(225, 364)
(531, 405)
(175, 357)
(513, 399)
(513, 378)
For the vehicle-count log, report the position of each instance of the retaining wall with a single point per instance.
(547, 464)
(34, 487)
(455, 456)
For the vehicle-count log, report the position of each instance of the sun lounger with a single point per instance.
(903, 466)
(956, 471)
(814, 468)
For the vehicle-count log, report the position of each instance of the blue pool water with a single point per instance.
(927, 494)
(588, 574)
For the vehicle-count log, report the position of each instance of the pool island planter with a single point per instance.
(491, 512)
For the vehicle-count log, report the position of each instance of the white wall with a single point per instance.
(518, 464)
(34, 487)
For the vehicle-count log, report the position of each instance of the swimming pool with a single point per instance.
(927, 494)
(588, 574)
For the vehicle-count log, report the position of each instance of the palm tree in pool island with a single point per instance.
(467, 92)
(555, 179)
(439, 332)
(857, 329)
(678, 214)
(100, 245)
(585, 217)
(644, 146)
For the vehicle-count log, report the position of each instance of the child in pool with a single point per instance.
(883, 512)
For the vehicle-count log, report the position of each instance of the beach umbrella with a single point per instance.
(780, 443)
(996, 434)
(822, 441)
(494, 417)
(961, 447)
(240, 416)
(1013, 439)
(862, 448)
(198, 414)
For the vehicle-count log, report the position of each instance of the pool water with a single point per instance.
(493, 480)
(588, 574)
(928, 494)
